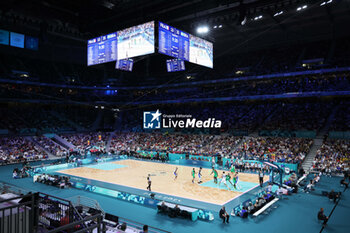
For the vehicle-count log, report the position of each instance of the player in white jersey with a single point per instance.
(223, 180)
(237, 181)
(200, 175)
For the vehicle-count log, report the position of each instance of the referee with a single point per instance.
(261, 177)
(149, 182)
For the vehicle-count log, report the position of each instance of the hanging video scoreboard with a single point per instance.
(174, 65)
(201, 51)
(136, 41)
(4, 37)
(139, 40)
(127, 43)
(176, 43)
(173, 42)
(102, 49)
(125, 64)
(17, 40)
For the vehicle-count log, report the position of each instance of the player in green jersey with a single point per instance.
(193, 175)
(234, 181)
(228, 179)
(232, 170)
(215, 175)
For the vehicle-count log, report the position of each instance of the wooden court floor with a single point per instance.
(135, 175)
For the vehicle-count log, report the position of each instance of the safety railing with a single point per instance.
(17, 213)
(55, 211)
(85, 201)
(40, 212)
(81, 201)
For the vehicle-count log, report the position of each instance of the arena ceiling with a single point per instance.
(95, 17)
(91, 18)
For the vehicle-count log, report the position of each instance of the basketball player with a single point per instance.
(228, 179)
(149, 182)
(215, 175)
(232, 169)
(237, 181)
(175, 174)
(213, 161)
(234, 181)
(193, 175)
(200, 175)
(223, 180)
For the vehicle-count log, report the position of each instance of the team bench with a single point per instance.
(265, 207)
(181, 211)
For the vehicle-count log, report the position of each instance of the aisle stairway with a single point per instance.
(307, 164)
(240, 143)
(108, 145)
(62, 142)
(41, 147)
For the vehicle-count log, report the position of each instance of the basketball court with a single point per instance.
(133, 174)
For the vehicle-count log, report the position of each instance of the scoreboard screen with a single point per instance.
(174, 65)
(136, 41)
(125, 64)
(173, 42)
(17, 40)
(102, 49)
(4, 37)
(32, 43)
(201, 51)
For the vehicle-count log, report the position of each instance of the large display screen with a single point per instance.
(32, 43)
(125, 64)
(4, 37)
(201, 51)
(102, 49)
(173, 42)
(136, 41)
(16, 40)
(175, 65)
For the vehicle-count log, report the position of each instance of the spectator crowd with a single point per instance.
(19, 149)
(333, 157)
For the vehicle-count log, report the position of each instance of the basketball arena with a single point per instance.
(174, 116)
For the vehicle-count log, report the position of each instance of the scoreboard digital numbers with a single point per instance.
(173, 42)
(201, 51)
(174, 65)
(125, 64)
(102, 49)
